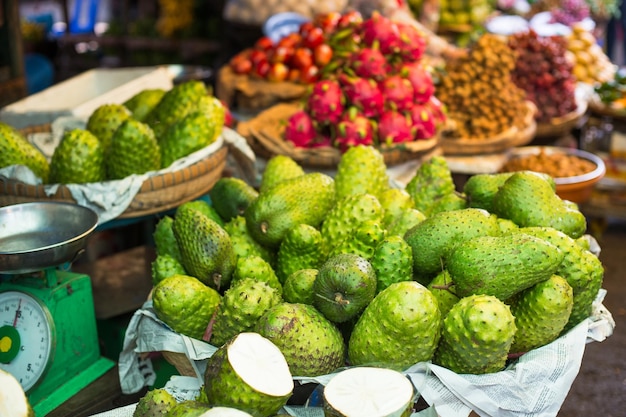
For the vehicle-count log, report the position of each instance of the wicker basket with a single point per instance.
(264, 134)
(158, 193)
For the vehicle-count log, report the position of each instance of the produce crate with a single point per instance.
(82, 94)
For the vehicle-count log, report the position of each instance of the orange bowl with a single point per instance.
(575, 188)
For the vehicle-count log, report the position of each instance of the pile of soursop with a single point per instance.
(348, 271)
(148, 132)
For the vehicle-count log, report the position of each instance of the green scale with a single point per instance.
(48, 334)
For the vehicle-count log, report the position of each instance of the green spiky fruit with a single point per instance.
(476, 336)
(394, 202)
(133, 150)
(362, 241)
(345, 285)
(432, 239)
(165, 266)
(346, 215)
(185, 304)
(399, 328)
(189, 408)
(242, 305)
(442, 288)
(582, 269)
(243, 244)
(203, 207)
(277, 169)
(205, 247)
(249, 373)
(302, 248)
(185, 136)
(448, 202)
(541, 313)
(104, 121)
(298, 287)
(368, 391)
(216, 111)
(231, 197)
(405, 221)
(361, 170)
(164, 239)
(258, 269)
(312, 345)
(15, 149)
(501, 265)
(431, 181)
(156, 402)
(142, 103)
(304, 199)
(392, 261)
(77, 159)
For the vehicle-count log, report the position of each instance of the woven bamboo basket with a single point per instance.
(158, 193)
(265, 132)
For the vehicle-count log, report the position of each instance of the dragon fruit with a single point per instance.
(364, 94)
(397, 92)
(382, 31)
(424, 124)
(325, 104)
(437, 109)
(300, 129)
(395, 127)
(354, 129)
(411, 42)
(369, 63)
(420, 79)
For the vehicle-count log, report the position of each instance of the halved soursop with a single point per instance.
(156, 402)
(249, 373)
(225, 412)
(13, 400)
(399, 328)
(368, 391)
(312, 345)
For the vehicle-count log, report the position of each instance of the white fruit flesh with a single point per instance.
(367, 391)
(260, 364)
(13, 401)
(225, 412)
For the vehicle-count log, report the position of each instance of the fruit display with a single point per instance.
(478, 92)
(464, 14)
(591, 64)
(147, 133)
(324, 278)
(544, 73)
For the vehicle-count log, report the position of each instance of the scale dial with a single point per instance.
(26, 337)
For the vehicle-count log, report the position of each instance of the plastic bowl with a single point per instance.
(578, 188)
(282, 24)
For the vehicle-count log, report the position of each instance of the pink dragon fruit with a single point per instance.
(300, 129)
(424, 124)
(411, 42)
(437, 109)
(326, 102)
(395, 127)
(369, 63)
(354, 129)
(364, 94)
(420, 79)
(397, 93)
(382, 31)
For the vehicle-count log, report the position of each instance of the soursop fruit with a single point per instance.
(133, 150)
(205, 247)
(203, 207)
(448, 202)
(185, 304)
(215, 109)
(277, 169)
(15, 149)
(405, 221)
(361, 170)
(311, 344)
(165, 266)
(156, 402)
(431, 181)
(104, 121)
(189, 408)
(442, 287)
(244, 244)
(249, 373)
(164, 239)
(394, 202)
(231, 197)
(298, 287)
(77, 159)
(541, 313)
(142, 103)
(476, 336)
(242, 304)
(302, 248)
(258, 269)
(185, 136)
(399, 328)
(392, 261)
(362, 241)
(13, 400)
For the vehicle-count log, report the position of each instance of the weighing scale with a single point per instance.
(48, 334)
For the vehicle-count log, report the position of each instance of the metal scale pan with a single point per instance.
(40, 235)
